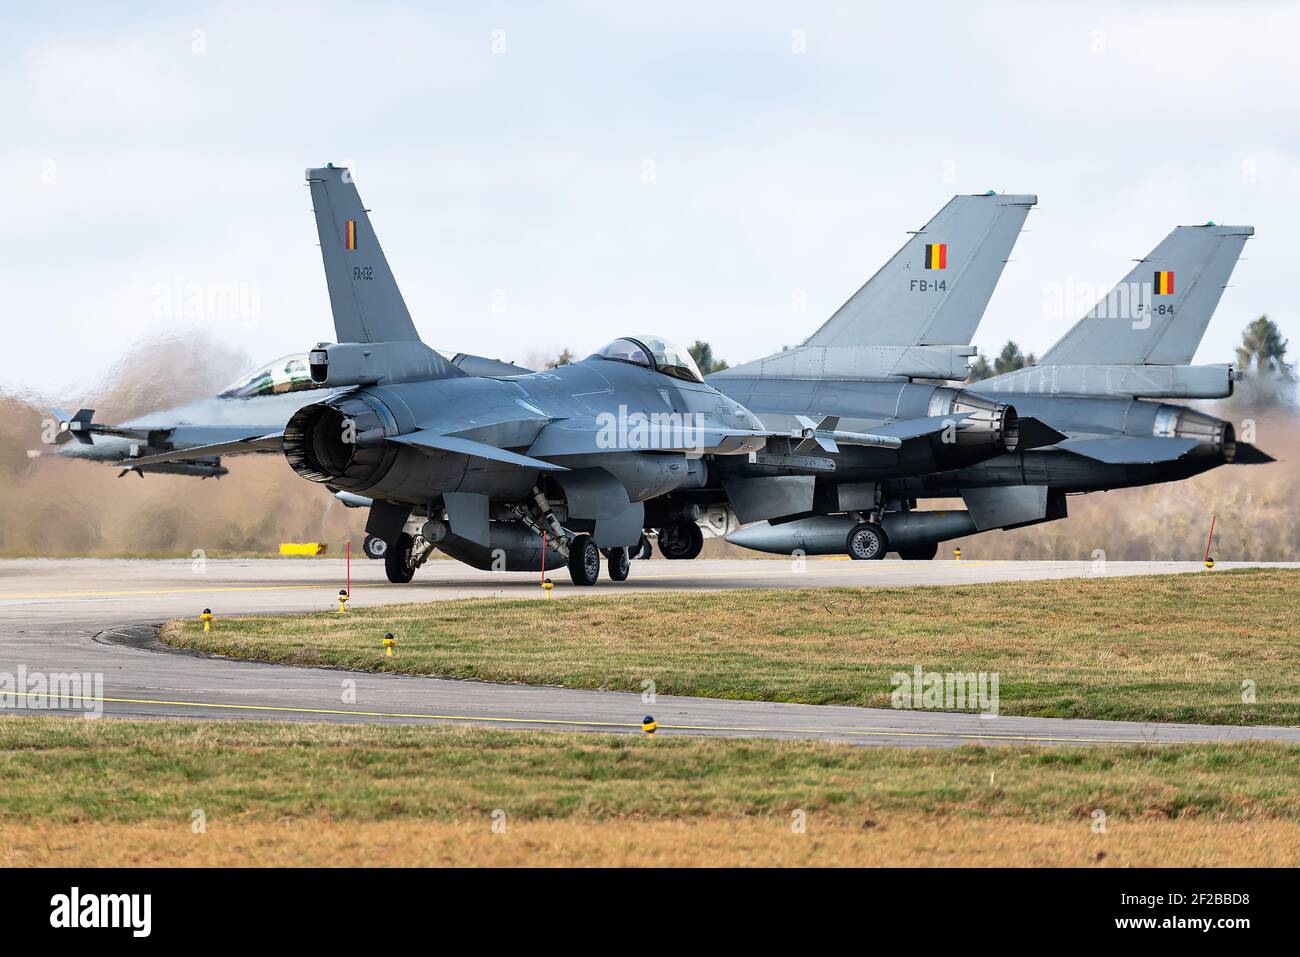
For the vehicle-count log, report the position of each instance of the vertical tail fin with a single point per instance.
(365, 300)
(935, 289)
(1158, 314)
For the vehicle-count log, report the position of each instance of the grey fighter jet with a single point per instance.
(258, 402)
(1095, 387)
(912, 320)
(514, 472)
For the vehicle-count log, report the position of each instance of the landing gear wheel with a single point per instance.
(867, 542)
(643, 549)
(374, 547)
(397, 560)
(681, 541)
(618, 562)
(584, 560)
(921, 553)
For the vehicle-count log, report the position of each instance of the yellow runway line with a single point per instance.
(577, 722)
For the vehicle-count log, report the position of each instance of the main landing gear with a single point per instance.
(374, 547)
(584, 560)
(681, 541)
(867, 541)
(399, 560)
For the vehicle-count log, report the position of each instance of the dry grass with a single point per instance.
(901, 840)
(1169, 648)
(124, 793)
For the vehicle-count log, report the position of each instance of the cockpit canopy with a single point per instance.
(653, 353)
(286, 374)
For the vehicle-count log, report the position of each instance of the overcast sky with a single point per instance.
(545, 175)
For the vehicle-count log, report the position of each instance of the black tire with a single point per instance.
(921, 553)
(584, 560)
(618, 563)
(374, 547)
(681, 542)
(866, 541)
(643, 549)
(397, 560)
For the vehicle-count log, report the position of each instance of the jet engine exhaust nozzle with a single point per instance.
(1216, 437)
(987, 423)
(341, 443)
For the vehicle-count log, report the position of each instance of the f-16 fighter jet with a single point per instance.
(913, 320)
(485, 461)
(500, 472)
(1095, 387)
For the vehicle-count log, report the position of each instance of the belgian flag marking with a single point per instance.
(350, 234)
(1164, 283)
(936, 255)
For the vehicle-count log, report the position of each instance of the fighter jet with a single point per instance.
(257, 402)
(250, 416)
(515, 472)
(913, 320)
(1095, 387)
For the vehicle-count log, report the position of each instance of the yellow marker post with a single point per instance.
(648, 724)
(389, 641)
(206, 618)
(956, 554)
(343, 600)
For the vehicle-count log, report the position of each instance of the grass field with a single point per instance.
(1166, 648)
(111, 792)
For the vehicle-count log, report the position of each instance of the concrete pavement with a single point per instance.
(99, 616)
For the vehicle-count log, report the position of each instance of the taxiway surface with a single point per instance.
(97, 617)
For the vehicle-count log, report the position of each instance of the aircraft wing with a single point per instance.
(587, 437)
(426, 439)
(83, 428)
(252, 443)
(1130, 449)
(582, 437)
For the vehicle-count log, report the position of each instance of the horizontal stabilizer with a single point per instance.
(1035, 433)
(255, 443)
(428, 439)
(1130, 449)
(1248, 454)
